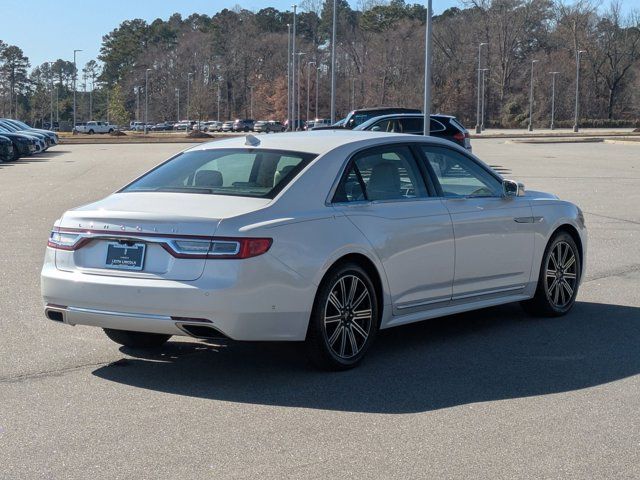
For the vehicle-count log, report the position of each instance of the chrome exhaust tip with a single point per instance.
(201, 331)
(55, 313)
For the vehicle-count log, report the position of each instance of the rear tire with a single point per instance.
(559, 278)
(136, 339)
(90, 132)
(344, 320)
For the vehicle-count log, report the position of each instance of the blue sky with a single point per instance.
(51, 29)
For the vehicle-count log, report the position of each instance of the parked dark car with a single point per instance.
(23, 145)
(7, 153)
(51, 136)
(442, 126)
(42, 141)
(358, 117)
(243, 125)
(162, 127)
(268, 126)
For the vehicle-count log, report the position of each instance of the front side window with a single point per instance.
(459, 175)
(240, 172)
(387, 173)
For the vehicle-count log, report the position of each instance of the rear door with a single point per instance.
(493, 233)
(383, 193)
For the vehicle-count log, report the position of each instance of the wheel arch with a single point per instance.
(574, 234)
(368, 266)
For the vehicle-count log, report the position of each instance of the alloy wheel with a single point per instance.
(561, 274)
(348, 316)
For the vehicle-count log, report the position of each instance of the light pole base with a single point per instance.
(478, 130)
(575, 128)
(552, 127)
(530, 128)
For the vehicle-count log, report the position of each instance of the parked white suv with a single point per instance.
(96, 127)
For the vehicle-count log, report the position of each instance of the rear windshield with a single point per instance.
(241, 172)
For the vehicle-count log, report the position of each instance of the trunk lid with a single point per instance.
(152, 220)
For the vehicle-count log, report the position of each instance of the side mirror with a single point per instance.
(511, 188)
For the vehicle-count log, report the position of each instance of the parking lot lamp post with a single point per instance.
(333, 65)
(309, 85)
(577, 110)
(146, 99)
(553, 98)
(178, 106)
(315, 110)
(289, 76)
(298, 124)
(251, 101)
(218, 115)
(478, 129)
(293, 68)
(189, 75)
(427, 73)
(51, 95)
(74, 87)
(136, 90)
(533, 62)
(484, 70)
(58, 106)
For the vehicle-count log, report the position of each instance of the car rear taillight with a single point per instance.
(64, 240)
(219, 248)
(459, 136)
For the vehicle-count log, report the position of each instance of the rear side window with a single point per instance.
(240, 172)
(386, 173)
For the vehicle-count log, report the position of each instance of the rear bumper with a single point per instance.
(257, 299)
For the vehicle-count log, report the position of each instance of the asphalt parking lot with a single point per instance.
(491, 394)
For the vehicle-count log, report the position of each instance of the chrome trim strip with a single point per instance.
(119, 314)
(488, 292)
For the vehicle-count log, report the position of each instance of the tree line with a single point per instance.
(234, 64)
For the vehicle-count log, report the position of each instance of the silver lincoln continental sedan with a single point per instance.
(323, 237)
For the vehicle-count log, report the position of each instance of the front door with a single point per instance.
(493, 233)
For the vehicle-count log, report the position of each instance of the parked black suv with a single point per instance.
(442, 126)
(7, 153)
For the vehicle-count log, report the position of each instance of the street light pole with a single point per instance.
(75, 74)
(178, 98)
(51, 95)
(315, 109)
(427, 73)
(478, 128)
(218, 115)
(333, 66)
(577, 114)
(553, 97)
(136, 89)
(309, 85)
(146, 99)
(289, 76)
(533, 62)
(251, 101)
(189, 75)
(484, 70)
(293, 70)
(298, 97)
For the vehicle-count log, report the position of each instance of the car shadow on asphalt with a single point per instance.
(492, 354)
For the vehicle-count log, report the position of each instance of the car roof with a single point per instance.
(315, 141)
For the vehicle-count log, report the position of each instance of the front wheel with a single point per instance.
(136, 339)
(344, 320)
(558, 280)
(90, 132)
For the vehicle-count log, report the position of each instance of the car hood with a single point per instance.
(164, 212)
